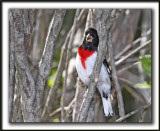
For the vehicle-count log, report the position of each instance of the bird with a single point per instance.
(85, 60)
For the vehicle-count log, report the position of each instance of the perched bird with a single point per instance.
(85, 61)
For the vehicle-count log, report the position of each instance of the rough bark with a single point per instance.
(11, 65)
(80, 91)
(46, 60)
(17, 106)
(67, 62)
(103, 25)
(114, 72)
(36, 36)
(49, 106)
(23, 70)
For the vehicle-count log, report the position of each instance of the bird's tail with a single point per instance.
(108, 110)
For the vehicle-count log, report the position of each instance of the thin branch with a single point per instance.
(65, 108)
(17, 106)
(132, 52)
(90, 24)
(133, 112)
(117, 85)
(11, 66)
(105, 26)
(46, 60)
(131, 91)
(52, 93)
(141, 119)
(131, 45)
(67, 62)
(36, 36)
(128, 67)
(80, 91)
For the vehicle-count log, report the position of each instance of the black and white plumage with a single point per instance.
(85, 61)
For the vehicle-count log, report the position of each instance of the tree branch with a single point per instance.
(46, 60)
(133, 112)
(28, 85)
(36, 36)
(117, 85)
(131, 91)
(17, 105)
(104, 25)
(52, 93)
(132, 52)
(67, 62)
(131, 45)
(11, 65)
(67, 109)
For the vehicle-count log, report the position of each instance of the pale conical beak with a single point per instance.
(89, 38)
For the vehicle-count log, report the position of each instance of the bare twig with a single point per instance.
(36, 36)
(67, 62)
(132, 52)
(46, 60)
(80, 91)
(143, 115)
(117, 85)
(131, 45)
(141, 119)
(133, 112)
(80, 20)
(11, 66)
(128, 67)
(65, 108)
(131, 91)
(52, 93)
(106, 23)
(17, 106)
(90, 24)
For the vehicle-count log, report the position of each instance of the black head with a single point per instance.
(91, 39)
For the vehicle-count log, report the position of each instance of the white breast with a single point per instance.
(104, 80)
(85, 73)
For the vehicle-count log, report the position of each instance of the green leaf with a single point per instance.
(143, 85)
(51, 78)
(56, 120)
(146, 64)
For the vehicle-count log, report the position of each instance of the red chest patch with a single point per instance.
(84, 54)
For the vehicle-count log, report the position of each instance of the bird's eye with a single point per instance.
(87, 33)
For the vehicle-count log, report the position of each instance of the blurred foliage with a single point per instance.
(146, 64)
(56, 120)
(65, 28)
(52, 74)
(144, 85)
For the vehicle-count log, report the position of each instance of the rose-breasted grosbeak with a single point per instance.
(85, 61)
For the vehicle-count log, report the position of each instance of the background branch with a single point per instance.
(67, 62)
(131, 45)
(114, 75)
(22, 67)
(132, 52)
(52, 93)
(133, 112)
(46, 60)
(11, 66)
(105, 24)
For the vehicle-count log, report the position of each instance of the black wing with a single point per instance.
(107, 67)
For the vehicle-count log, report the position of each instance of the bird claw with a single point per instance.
(82, 84)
